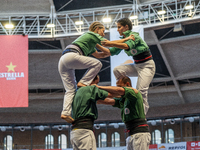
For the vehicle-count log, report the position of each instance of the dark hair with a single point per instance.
(124, 22)
(126, 79)
(96, 77)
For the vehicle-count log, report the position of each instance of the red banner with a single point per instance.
(14, 71)
(153, 147)
(193, 145)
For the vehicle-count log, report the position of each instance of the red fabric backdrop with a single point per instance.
(153, 147)
(13, 71)
(195, 145)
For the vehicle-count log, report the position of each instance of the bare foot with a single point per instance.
(69, 119)
(80, 84)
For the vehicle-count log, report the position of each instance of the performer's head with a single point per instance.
(97, 27)
(123, 24)
(95, 80)
(124, 81)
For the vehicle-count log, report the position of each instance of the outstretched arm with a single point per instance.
(112, 95)
(131, 37)
(113, 89)
(107, 101)
(115, 44)
(118, 43)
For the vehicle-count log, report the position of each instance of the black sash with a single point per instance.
(142, 57)
(83, 123)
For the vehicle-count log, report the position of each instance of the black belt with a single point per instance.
(70, 50)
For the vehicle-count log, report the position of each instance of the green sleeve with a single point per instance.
(130, 94)
(103, 39)
(114, 51)
(100, 37)
(132, 44)
(97, 36)
(95, 49)
(99, 94)
(117, 104)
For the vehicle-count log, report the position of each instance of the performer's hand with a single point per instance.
(105, 42)
(131, 37)
(99, 102)
(118, 96)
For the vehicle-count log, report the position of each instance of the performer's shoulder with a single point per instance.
(133, 89)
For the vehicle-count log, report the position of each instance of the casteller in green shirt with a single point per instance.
(131, 105)
(84, 103)
(132, 111)
(87, 42)
(136, 47)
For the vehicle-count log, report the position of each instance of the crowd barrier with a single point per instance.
(194, 145)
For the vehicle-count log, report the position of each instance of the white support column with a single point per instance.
(10, 30)
(62, 42)
(24, 25)
(38, 26)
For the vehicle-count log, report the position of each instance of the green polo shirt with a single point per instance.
(84, 103)
(135, 47)
(88, 41)
(131, 105)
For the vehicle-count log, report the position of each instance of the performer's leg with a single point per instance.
(129, 141)
(141, 141)
(70, 87)
(67, 64)
(146, 73)
(83, 139)
(69, 81)
(125, 70)
(92, 64)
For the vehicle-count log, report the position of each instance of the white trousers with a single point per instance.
(138, 141)
(145, 73)
(66, 67)
(83, 139)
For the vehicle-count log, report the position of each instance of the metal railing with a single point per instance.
(35, 26)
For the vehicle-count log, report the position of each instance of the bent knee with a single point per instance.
(116, 69)
(98, 64)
